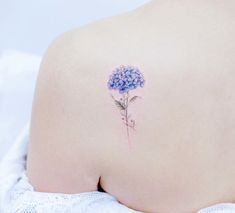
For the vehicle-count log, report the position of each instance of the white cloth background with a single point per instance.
(30, 26)
(18, 72)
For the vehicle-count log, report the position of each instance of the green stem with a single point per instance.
(127, 125)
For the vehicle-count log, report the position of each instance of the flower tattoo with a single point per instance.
(124, 79)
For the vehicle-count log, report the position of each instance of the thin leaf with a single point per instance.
(120, 105)
(134, 98)
(112, 96)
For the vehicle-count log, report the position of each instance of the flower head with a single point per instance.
(125, 78)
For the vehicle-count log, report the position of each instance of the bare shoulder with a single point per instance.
(77, 135)
(65, 141)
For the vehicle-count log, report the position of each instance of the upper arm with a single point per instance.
(61, 156)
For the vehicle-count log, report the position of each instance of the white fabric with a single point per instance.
(18, 196)
(18, 72)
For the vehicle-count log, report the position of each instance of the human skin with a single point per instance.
(182, 154)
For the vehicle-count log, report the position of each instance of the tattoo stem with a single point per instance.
(127, 126)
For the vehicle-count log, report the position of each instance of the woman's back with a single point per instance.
(181, 157)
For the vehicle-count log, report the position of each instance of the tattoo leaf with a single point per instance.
(120, 105)
(134, 98)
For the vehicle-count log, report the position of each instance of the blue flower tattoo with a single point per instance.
(124, 79)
